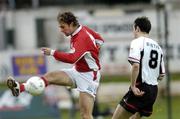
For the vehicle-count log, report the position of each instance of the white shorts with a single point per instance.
(84, 81)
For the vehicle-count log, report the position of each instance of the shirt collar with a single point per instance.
(77, 30)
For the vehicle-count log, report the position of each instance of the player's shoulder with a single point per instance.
(154, 41)
(138, 40)
(151, 40)
(83, 31)
(86, 28)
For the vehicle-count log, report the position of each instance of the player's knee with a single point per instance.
(135, 116)
(85, 115)
(50, 76)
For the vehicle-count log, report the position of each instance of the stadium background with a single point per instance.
(27, 25)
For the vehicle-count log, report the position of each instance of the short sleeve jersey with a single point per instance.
(149, 55)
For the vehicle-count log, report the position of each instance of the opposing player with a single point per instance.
(85, 75)
(146, 58)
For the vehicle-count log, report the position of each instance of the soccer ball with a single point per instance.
(35, 85)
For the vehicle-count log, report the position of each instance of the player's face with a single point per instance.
(135, 31)
(66, 28)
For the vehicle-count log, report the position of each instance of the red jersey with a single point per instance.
(85, 46)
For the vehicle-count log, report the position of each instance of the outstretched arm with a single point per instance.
(62, 56)
(46, 51)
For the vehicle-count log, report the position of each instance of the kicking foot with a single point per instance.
(13, 85)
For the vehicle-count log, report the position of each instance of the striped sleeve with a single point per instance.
(134, 52)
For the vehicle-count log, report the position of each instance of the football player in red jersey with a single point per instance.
(84, 75)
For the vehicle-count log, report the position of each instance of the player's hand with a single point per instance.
(46, 51)
(137, 92)
(161, 76)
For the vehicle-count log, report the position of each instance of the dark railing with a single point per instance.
(41, 3)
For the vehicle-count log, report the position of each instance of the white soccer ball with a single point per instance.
(35, 85)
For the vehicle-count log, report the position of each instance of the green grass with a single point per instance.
(115, 78)
(175, 76)
(122, 78)
(160, 109)
(160, 106)
(126, 78)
